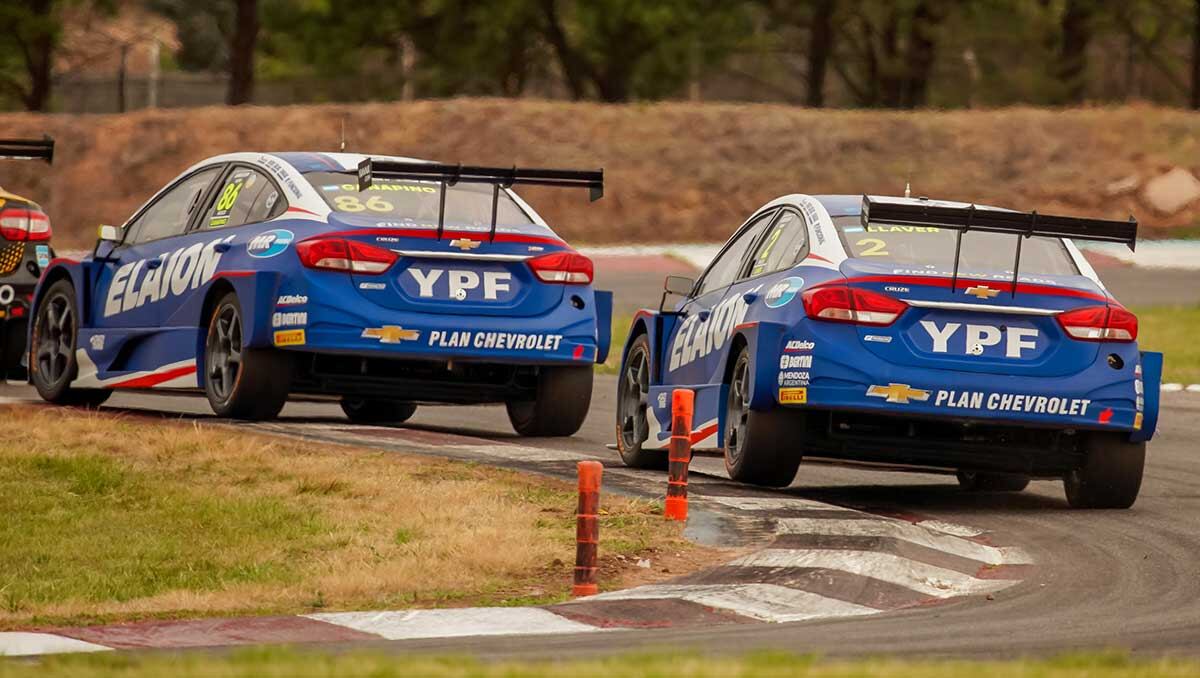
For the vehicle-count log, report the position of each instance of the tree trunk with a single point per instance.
(39, 57)
(1072, 53)
(1196, 57)
(922, 49)
(241, 53)
(820, 45)
(572, 63)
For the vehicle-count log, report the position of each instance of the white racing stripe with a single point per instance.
(911, 574)
(766, 602)
(470, 621)
(21, 644)
(913, 534)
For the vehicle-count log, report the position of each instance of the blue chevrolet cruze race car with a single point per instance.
(383, 281)
(907, 332)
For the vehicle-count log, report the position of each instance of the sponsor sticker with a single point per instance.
(391, 334)
(502, 341)
(798, 345)
(662, 400)
(270, 243)
(783, 292)
(896, 289)
(291, 300)
(791, 362)
(134, 284)
(42, 252)
(901, 394)
(372, 286)
(877, 338)
(1011, 402)
(793, 396)
(1137, 421)
(465, 244)
(293, 319)
(696, 338)
(975, 339)
(289, 338)
(460, 284)
(793, 378)
(97, 341)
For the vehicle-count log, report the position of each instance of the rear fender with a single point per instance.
(658, 328)
(256, 292)
(604, 305)
(1152, 367)
(763, 340)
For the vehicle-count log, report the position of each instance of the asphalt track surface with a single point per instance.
(1127, 579)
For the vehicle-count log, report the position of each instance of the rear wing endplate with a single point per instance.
(499, 177)
(27, 149)
(924, 212)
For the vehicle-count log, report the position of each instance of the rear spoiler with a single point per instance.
(498, 177)
(27, 149)
(924, 212)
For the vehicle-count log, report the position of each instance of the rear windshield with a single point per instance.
(468, 205)
(927, 245)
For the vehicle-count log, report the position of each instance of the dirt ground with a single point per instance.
(674, 171)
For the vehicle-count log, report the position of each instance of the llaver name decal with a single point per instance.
(510, 341)
(184, 269)
(1011, 402)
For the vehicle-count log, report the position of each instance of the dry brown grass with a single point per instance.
(675, 171)
(106, 516)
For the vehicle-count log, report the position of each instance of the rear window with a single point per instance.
(467, 205)
(927, 245)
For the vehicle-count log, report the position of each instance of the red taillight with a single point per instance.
(336, 254)
(1099, 323)
(568, 268)
(19, 223)
(843, 304)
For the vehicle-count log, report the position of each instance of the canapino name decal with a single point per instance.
(135, 284)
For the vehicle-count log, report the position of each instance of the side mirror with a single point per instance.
(678, 285)
(110, 233)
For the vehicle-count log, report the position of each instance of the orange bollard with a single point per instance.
(679, 453)
(587, 528)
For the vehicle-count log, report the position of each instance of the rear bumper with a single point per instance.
(841, 375)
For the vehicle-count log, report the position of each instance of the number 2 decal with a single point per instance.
(874, 247)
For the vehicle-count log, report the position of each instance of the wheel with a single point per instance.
(761, 448)
(1111, 474)
(633, 427)
(240, 382)
(52, 350)
(560, 404)
(988, 481)
(371, 411)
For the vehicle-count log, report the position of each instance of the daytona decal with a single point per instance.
(510, 341)
(294, 319)
(184, 269)
(697, 338)
(789, 362)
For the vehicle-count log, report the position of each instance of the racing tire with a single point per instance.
(242, 383)
(1111, 474)
(373, 411)
(52, 358)
(761, 447)
(560, 403)
(990, 481)
(633, 426)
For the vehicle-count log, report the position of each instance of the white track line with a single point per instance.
(911, 574)
(771, 503)
(470, 621)
(913, 534)
(767, 602)
(21, 644)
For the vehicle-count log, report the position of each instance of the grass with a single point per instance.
(283, 662)
(1173, 331)
(620, 332)
(115, 518)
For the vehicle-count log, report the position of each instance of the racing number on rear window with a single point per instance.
(872, 247)
(247, 197)
(784, 244)
(351, 203)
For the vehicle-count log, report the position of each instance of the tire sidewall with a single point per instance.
(733, 466)
(630, 455)
(220, 405)
(54, 391)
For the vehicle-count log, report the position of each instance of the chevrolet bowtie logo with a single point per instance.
(390, 334)
(982, 292)
(898, 393)
(464, 244)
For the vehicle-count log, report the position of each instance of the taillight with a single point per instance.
(1100, 323)
(19, 223)
(840, 303)
(336, 254)
(568, 268)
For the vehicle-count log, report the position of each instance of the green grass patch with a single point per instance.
(620, 332)
(287, 662)
(1172, 330)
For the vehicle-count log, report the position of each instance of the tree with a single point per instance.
(30, 32)
(891, 49)
(1071, 66)
(241, 53)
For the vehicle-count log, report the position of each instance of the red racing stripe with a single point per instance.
(703, 433)
(150, 380)
(1024, 288)
(430, 234)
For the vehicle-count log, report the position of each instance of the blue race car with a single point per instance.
(908, 332)
(385, 282)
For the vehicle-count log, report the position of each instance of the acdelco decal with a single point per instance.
(697, 338)
(186, 268)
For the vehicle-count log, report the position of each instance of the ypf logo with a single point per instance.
(269, 244)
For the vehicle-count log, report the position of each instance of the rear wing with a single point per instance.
(499, 177)
(924, 212)
(27, 149)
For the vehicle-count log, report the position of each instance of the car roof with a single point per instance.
(851, 205)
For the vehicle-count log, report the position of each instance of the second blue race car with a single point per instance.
(383, 281)
(907, 332)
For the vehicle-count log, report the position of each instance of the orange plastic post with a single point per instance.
(587, 528)
(679, 453)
